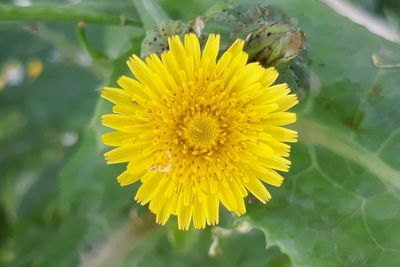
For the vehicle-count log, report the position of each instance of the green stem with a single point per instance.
(62, 14)
(93, 52)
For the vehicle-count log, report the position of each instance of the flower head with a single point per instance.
(198, 131)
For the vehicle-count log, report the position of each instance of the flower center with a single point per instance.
(201, 133)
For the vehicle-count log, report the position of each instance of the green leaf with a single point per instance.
(189, 10)
(52, 191)
(182, 240)
(42, 128)
(150, 13)
(340, 204)
(231, 248)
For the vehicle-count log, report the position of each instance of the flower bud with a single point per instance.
(270, 35)
(156, 39)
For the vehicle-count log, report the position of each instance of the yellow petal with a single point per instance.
(127, 178)
(258, 189)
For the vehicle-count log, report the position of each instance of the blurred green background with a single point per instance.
(61, 206)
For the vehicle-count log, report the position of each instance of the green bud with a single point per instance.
(270, 35)
(272, 38)
(156, 39)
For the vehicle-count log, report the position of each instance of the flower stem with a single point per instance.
(93, 52)
(62, 14)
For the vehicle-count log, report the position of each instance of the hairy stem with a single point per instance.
(62, 14)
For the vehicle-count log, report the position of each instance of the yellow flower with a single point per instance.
(197, 130)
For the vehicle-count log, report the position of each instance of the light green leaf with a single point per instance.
(150, 13)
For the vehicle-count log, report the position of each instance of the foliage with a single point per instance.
(60, 204)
